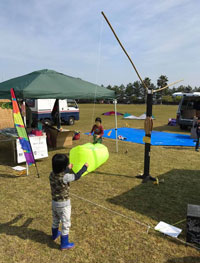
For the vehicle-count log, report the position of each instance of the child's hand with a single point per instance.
(98, 136)
(70, 166)
(90, 133)
(86, 164)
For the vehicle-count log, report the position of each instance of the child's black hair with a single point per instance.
(98, 119)
(59, 163)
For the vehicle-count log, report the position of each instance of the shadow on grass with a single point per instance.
(192, 148)
(24, 232)
(10, 176)
(164, 202)
(184, 260)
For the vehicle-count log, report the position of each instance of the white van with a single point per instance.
(42, 109)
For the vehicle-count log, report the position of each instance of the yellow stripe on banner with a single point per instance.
(18, 119)
(146, 139)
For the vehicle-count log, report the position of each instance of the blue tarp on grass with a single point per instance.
(157, 138)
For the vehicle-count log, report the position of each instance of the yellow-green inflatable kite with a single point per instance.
(93, 154)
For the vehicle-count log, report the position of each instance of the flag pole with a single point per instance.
(26, 133)
(24, 118)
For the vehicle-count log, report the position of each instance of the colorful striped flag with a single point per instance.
(23, 137)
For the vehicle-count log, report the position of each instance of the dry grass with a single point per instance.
(100, 236)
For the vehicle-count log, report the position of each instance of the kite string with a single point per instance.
(97, 68)
(134, 220)
(115, 212)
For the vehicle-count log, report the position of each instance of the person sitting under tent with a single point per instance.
(55, 113)
(29, 117)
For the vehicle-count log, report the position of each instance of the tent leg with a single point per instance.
(14, 150)
(59, 118)
(116, 139)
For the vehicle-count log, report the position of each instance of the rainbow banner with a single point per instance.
(23, 137)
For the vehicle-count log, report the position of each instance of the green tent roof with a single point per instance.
(49, 84)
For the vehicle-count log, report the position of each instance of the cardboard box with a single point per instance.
(189, 114)
(62, 138)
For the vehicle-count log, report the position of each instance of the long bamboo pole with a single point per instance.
(173, 83)
(124, 51)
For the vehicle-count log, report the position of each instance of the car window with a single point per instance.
(71, 103)
(191, 103)
(30, 102)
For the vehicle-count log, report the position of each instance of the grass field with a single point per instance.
(101, 236)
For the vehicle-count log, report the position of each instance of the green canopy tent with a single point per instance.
(49, 84)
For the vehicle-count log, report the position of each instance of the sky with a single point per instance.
(161, 36)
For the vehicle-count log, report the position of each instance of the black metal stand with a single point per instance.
(146, 176)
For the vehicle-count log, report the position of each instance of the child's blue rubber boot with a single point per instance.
(55, 233)
(65, 243)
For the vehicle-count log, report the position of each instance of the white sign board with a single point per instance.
(168, 229)
(39, 147)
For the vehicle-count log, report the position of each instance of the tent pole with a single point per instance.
(116, 139)
(24, 116)
(59, 119)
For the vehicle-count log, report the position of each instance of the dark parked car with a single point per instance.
(189, 107)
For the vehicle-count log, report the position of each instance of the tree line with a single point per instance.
(135, 92)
